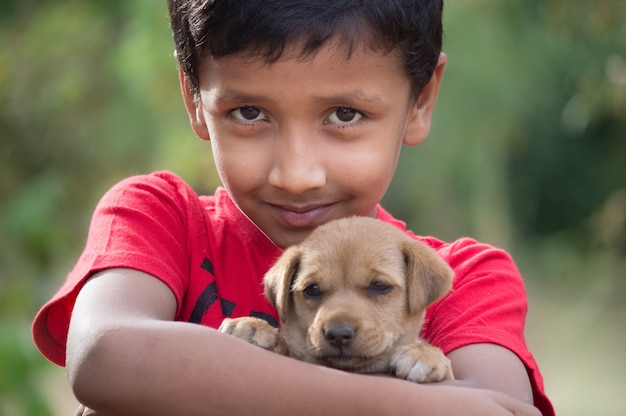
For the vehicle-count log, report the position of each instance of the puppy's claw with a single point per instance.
(254, 331)
(421, 363)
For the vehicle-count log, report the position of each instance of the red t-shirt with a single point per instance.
(213, 258)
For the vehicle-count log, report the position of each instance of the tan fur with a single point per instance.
(352, 296)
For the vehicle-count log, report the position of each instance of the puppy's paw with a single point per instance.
(254, 331)
(421, 362)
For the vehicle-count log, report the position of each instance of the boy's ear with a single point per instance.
(421, 114)
(194, 108)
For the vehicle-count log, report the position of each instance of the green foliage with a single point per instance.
(567, 167)
(529, 140)
(19, 394)
(89, 95)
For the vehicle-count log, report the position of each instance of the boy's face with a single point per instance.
(300, 142)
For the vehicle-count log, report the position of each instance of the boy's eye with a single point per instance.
(248, 114)
(344, 116)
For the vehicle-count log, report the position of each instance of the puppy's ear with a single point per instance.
(279, 278)
(428, 276)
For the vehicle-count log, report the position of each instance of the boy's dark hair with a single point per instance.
(265, 27)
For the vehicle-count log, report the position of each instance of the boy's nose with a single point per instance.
(297, 167)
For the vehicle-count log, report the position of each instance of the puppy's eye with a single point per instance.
(378, 288)
(312, 292)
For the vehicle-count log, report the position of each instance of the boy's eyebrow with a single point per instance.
(350, 98)
(354, 98)
(230, 95)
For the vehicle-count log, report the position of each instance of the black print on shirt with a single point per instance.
(207, 265)
(209, 296)
(266, 317)
(204, 302)
(227, 307)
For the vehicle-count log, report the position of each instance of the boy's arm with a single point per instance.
(126, 356)
(490, 366)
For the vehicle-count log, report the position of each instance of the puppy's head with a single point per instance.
(353, 290)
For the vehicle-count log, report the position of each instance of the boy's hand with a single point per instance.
(504, 404)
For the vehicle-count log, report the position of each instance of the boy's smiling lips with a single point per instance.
(301, 215)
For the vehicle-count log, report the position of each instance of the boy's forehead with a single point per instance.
(357, 78)
(338, 47)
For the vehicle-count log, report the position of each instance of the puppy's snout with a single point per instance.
(340, 335)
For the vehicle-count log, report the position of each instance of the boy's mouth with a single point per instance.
(302, 216)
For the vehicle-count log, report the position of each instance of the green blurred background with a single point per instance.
(528, 152)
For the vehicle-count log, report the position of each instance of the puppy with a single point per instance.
(352, 296)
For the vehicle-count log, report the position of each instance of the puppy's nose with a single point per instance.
(340, 335)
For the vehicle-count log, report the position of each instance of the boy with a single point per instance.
(306, 105)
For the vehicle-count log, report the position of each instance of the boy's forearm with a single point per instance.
(205, 372)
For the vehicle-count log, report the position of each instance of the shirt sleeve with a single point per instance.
(487, 302)
(141, 223)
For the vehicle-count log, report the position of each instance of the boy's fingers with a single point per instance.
(516, 407)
